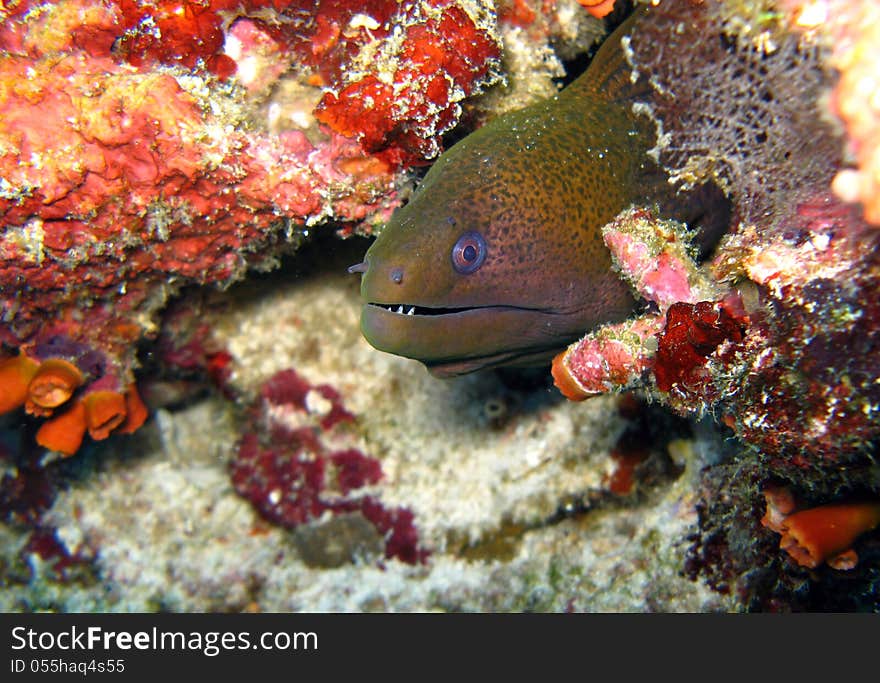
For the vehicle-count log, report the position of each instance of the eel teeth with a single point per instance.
(399, 309)
(411, 310)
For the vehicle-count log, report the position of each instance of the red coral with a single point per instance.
(400, 108)
(140, 32)
(175, 32)
(693, 332)
(292, 474)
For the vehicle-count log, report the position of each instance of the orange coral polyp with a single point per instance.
(823, 533)
(53, 384)
(64, 433)
(598, 8)
(15, 376)
(564, 380)
(105, 411)
(136, 412)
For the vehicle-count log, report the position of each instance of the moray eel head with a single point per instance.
(485, 266)
(498, 259)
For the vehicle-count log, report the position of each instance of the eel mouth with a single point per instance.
(453, 340)
(412, 309)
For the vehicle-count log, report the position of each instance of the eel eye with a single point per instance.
(469, 253)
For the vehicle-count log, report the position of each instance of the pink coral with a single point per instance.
(807, 330)
(814, 338)
(613, 358)
(801, 320)
(653, 255)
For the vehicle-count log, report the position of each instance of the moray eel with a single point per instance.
(498, 257)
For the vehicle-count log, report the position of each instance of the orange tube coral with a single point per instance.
(64, 433)
(598, 8)
(54, 383)
(823, 533)
(564, 380)
(15, 375)
(105, 411)
(136, 411)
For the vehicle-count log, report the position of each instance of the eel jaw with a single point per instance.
(412, 309)
(452, 341)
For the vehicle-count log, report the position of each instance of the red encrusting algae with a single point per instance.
(693, 332)
(288, 466)
(400, 108)
(63, 565)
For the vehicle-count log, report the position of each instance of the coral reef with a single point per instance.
(291, 467)
(777, 333)
(140, 150)
(802, 295)
(737, 552)
(399, 96)
(792, 281)
(654, 255)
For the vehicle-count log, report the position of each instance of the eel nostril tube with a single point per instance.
(358, 267)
